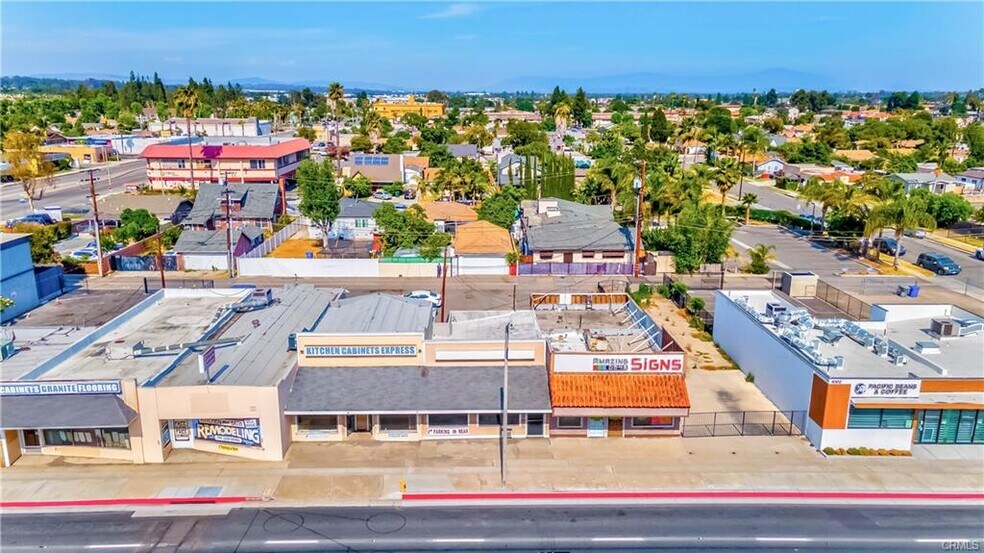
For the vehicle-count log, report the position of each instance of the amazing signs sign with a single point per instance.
(653, 363)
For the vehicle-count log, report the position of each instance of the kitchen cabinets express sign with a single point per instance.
(244, 432)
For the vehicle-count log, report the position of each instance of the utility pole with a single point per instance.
(444, 283)
(160, 254)
(95, 217)
(637, 248)
(229, 257)
(504, 430)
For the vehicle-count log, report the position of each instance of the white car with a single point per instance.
(433, 297)
(979, 253)
(916, 233)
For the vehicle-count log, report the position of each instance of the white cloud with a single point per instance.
(453, 10)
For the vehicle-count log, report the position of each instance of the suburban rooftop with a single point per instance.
(376, 313)
(899, 341)
(488, 325)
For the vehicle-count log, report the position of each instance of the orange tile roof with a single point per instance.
(649, 391)
(482, 237)
(448, 211)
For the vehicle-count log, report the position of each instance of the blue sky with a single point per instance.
(479, 46)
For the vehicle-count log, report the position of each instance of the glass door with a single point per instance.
(949, 420)
(31, 439)
(929, 426)
(534, 424)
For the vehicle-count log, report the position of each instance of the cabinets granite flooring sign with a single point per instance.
(244, 432)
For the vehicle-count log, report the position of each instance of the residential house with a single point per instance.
(510, 169)
(447, 216)
(354, 222)
(266, 160)
(481, 247)
(974, 177)
(385, 169)
(464, 150)
(775, 140)
(172, 208)
(771, 167)
(514, 115)
(563, 237)
(249, 204)
(937, 183)
(855, 156)
(212, 126)
(208, 250)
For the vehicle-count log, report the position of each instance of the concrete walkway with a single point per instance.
(361, 473)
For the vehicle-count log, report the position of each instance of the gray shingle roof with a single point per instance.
(578, 227)
(377, 313)
(416, 389)
(923, 178)
(259, 201)
(212, 241)
(351, 208)
(70, 411)
(463, 150)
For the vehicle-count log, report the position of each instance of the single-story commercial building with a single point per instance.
(380, 367)
(613, 371)
(184, 368)
(912, 374)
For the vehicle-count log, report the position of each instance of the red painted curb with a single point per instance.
(124, 502)
(693, 495)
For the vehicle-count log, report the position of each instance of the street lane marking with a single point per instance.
(458, 540)
(778, 539)
(291, 542)
(620, 539)
(113, 545)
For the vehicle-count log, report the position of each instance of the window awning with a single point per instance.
(67, 411)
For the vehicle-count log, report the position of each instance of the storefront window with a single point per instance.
(456, 419)
(653, 422)
(570, 422)
(317, 422)
(398, 422)
(496, 419)
(880, 418)
(117, 438)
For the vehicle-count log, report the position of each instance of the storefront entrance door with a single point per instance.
(534, 425)
(31, 440)
(358, 423)
(614, 426)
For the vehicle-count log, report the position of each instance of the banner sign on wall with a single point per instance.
(897, 388)
(360, 351)
(60, 387)
(659, 363)
(231, 431)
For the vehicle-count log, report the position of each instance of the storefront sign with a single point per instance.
(658, 363)
(597, 427)
(898, 388)
(231, 431)
(447, 431)
(360, 351)
(63, 387)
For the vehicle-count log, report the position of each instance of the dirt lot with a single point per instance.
(297, 248)
(701, 349)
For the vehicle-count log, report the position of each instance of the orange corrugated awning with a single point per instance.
(646, 391)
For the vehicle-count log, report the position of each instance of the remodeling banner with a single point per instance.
(244, 432)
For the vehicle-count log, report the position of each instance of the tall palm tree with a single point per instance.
(372, 124)
(752, 142)
(902, 214)
(336, 94)
(727, 172)
(562, 115)
(747, 201)
(186, 103)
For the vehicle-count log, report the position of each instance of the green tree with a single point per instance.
(501, 208)
(581, 109)
(521, 133)
(361, 143)
(948, 208)
(395, 144)
(42, 239)
(435, 245)
(699, 235)
(760, 256)
(307, 133)
(319, 195)
(136, 224)
(660, 129)
(747, 201)
(357, 186)
(27, 163)
(901, 215)
(402, 229)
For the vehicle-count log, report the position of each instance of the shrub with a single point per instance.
(63, 229)
(853, 451)
(695, 304)
(829, 451)
(750, 377)
(696, 323)
(663, 290)
(841, 451)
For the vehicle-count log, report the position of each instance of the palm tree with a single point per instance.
(372, 124)
(752, 142)
(336, 94)
(727, 172)
(186, 103)
(562, 115)
(760, 256)
(747, 201)
(902, 214)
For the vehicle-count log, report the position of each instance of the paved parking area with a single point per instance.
(794, 252)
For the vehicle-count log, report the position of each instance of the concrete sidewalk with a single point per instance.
(362, 473)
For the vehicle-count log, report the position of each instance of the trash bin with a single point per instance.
(914, 291)
(308, 255)
(902, 292)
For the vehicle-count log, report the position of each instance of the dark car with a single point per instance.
(408, 194)
(36, 218)
(939, 263)
(888, 246)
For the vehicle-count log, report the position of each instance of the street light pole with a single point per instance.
(639, 184)
(504, 430)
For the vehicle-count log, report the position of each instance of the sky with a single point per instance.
(485, 45)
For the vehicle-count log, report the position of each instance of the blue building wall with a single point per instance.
(17, 280)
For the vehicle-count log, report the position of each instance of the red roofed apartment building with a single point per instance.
(264, 161)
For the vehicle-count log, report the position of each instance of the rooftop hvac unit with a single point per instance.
(774, 308)
(944, 328)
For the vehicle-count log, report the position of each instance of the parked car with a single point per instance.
(889, 245)
(382, 195)
(979, 253)
(84, 253)
(939, 263)
(400, 207)
(916, 233)
(433, 297)
(36, 218)
(408, 194)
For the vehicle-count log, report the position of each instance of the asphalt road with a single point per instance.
(540, 529)
(973, 269)
(71, 190)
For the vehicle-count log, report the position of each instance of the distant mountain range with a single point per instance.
(783, 80)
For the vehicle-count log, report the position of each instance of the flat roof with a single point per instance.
(488, 325)
(36, 345)
(868, 349)
(416, 389)
(376, 314)
(9, 237)
(601, 330)
(262, 357)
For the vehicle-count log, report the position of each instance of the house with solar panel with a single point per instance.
(385, 169)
